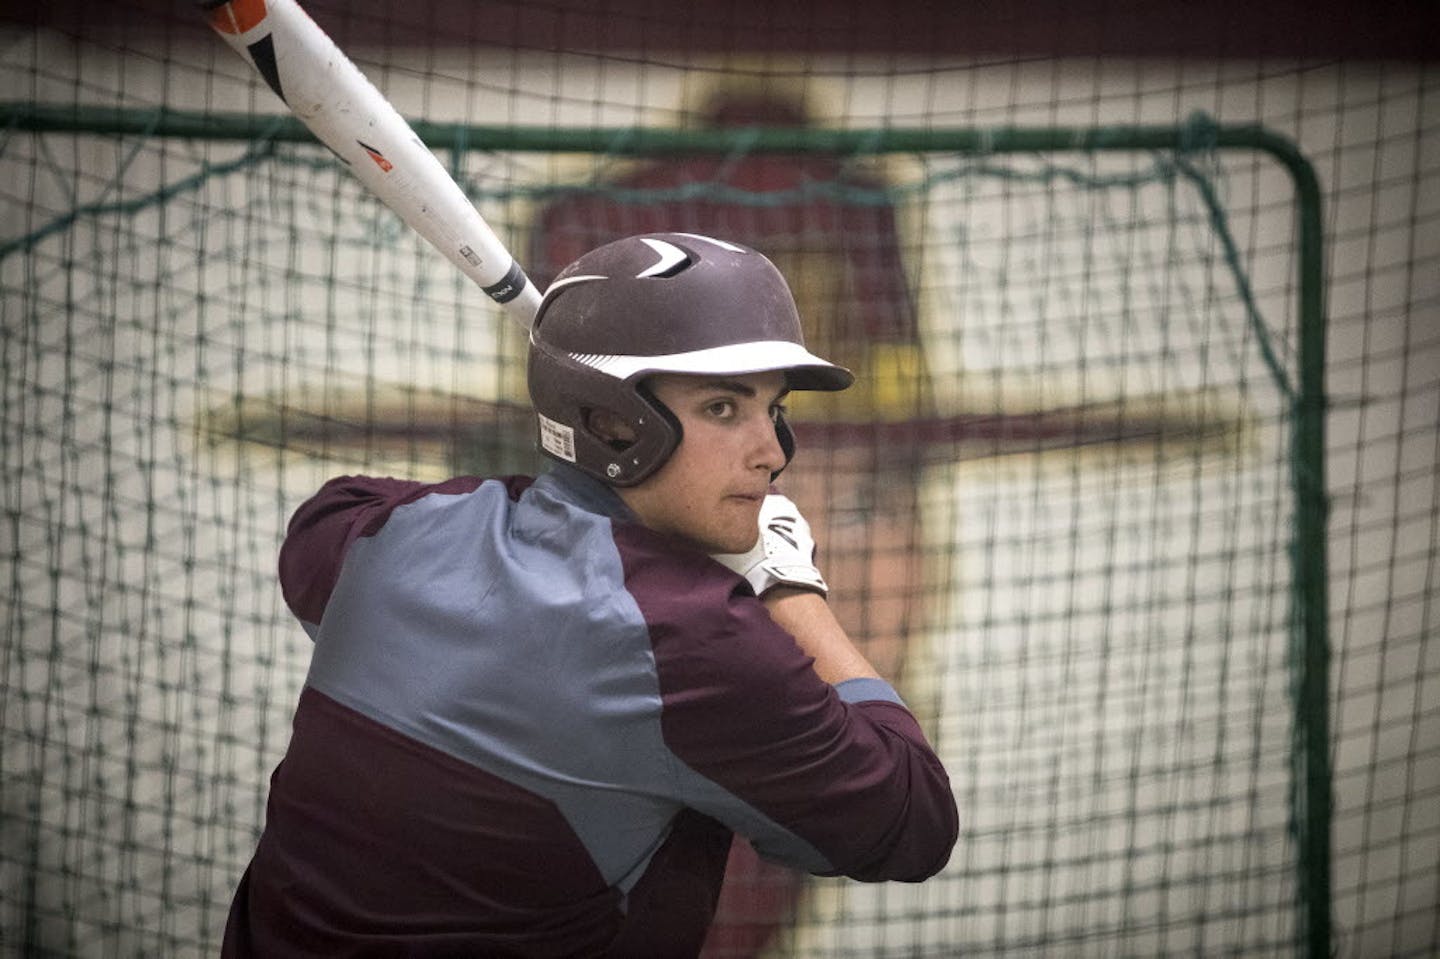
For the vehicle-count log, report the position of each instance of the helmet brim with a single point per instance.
(804, 370)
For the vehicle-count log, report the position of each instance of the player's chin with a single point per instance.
(736, 528)
(731, 543)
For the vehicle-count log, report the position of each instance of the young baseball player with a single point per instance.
(538, 709)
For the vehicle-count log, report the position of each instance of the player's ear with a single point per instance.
(610, 427)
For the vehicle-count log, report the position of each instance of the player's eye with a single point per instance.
(777, 411)
(721, 409)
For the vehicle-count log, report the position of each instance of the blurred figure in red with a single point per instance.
(830, 227)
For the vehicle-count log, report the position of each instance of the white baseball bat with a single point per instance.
(330, 95)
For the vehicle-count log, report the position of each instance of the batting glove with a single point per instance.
(784, 555)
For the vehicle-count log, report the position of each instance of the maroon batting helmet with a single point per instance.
(658, 303)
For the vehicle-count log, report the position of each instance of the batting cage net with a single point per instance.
(1181, 670)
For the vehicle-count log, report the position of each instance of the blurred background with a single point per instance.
(1139, 508)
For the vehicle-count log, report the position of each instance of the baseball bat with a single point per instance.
(330, 95)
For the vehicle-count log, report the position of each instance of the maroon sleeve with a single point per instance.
(743, 707)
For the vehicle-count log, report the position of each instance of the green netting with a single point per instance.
(1113, 581)
(1109, 647)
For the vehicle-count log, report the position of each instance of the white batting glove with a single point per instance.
(784, 554)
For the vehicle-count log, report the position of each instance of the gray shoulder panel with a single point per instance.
(500, 632)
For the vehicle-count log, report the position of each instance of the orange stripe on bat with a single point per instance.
(237, 16)
(377, 156)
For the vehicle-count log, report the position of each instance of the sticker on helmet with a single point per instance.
(557, 439)
(672, 258)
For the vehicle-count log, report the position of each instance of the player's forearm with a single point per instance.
(807, 616)
(898, 811)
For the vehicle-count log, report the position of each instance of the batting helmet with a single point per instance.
(658, 303)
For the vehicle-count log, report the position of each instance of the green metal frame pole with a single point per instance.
(1311, 655)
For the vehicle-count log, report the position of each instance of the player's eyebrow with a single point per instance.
(729, 386)
(741, 389)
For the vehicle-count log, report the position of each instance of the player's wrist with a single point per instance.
(780, 593)
(803, 578)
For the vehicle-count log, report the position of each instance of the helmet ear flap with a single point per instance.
(563, 392)
(786, 436)
(657, 433)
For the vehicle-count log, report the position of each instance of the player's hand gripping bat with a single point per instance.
(333, 99)
(784, 554)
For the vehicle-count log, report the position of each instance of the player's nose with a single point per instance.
(766, 453)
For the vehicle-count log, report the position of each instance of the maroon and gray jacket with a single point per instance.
(532, 724)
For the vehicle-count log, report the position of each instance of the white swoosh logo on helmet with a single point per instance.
(671, 256)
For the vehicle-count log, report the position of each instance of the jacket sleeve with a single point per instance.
(846, 770)
(322, 531)
(325, 526)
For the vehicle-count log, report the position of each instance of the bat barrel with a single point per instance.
(330, 95)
